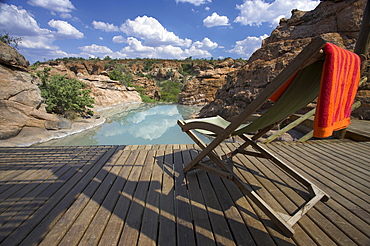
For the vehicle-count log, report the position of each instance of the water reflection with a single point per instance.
(136, 124)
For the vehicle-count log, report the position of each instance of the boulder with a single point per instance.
(10, 56)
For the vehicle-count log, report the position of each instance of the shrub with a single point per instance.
(65, 96)
(9, 40)
(115, 75)
(170, 90)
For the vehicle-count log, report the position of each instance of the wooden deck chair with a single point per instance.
(308, 65)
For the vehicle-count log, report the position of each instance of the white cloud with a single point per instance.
(135, 48)
(96, 49)
(19, 21)
(216, 20)
(105, 26)
(65, 16)
(256, 12)
(195, 2)
(36, 41)
(53, 5)
(195, 52)
(246, 47)
(206, 44)
(65, 30)
(119, 39)
(152, 32)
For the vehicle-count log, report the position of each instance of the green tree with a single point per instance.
(65, 96)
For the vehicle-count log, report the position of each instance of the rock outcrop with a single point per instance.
(21, 104)
(109, 93)
(336, 21)
(106, 92)
(149, 86)
(202, 89)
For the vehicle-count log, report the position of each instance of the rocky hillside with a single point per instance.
(199, 79)
(336, 21)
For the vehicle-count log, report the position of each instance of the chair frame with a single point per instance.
(311, 53)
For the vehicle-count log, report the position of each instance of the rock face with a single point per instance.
(150, 87)
(9, 56)
(202, 89)
(109, 93)
(106, 92)
(21, 104)
(336, 21)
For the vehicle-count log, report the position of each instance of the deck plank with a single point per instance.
(184, 225)
(113, 230)
(349, 220)
(337, 222)
(167, 220)
(44, 211)
(149, 228)
(112, 195)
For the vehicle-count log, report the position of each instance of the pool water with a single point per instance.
(138, 123)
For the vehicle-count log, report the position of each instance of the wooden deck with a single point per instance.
(110, 195)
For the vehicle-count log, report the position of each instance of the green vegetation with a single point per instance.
(121, 74)
(68, 97)
(9, 40)
(170, 90)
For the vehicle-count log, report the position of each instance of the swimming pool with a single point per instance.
(139, 123)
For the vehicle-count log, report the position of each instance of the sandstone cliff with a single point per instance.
(202, 89)
(21, 104)
(336, 21)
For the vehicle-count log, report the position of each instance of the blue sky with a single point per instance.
(169, 29)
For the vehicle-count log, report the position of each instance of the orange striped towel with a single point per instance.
(339, 84)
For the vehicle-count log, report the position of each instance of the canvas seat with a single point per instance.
(307, 69)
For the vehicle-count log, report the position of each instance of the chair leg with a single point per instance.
(283, 221)
(195, 163)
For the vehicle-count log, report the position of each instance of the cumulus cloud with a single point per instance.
(152, 32)
(216, 20)
(105, 26)
(206, 44)
(195, 2)
(246, 47)
(36, 41)
(96, 49)
(256, 12)
(135, 48)
(119, 39)
(19, 21)
(65, 30)
(65, 16)
(53, 5)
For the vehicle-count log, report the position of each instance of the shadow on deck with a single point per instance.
(110, 195)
